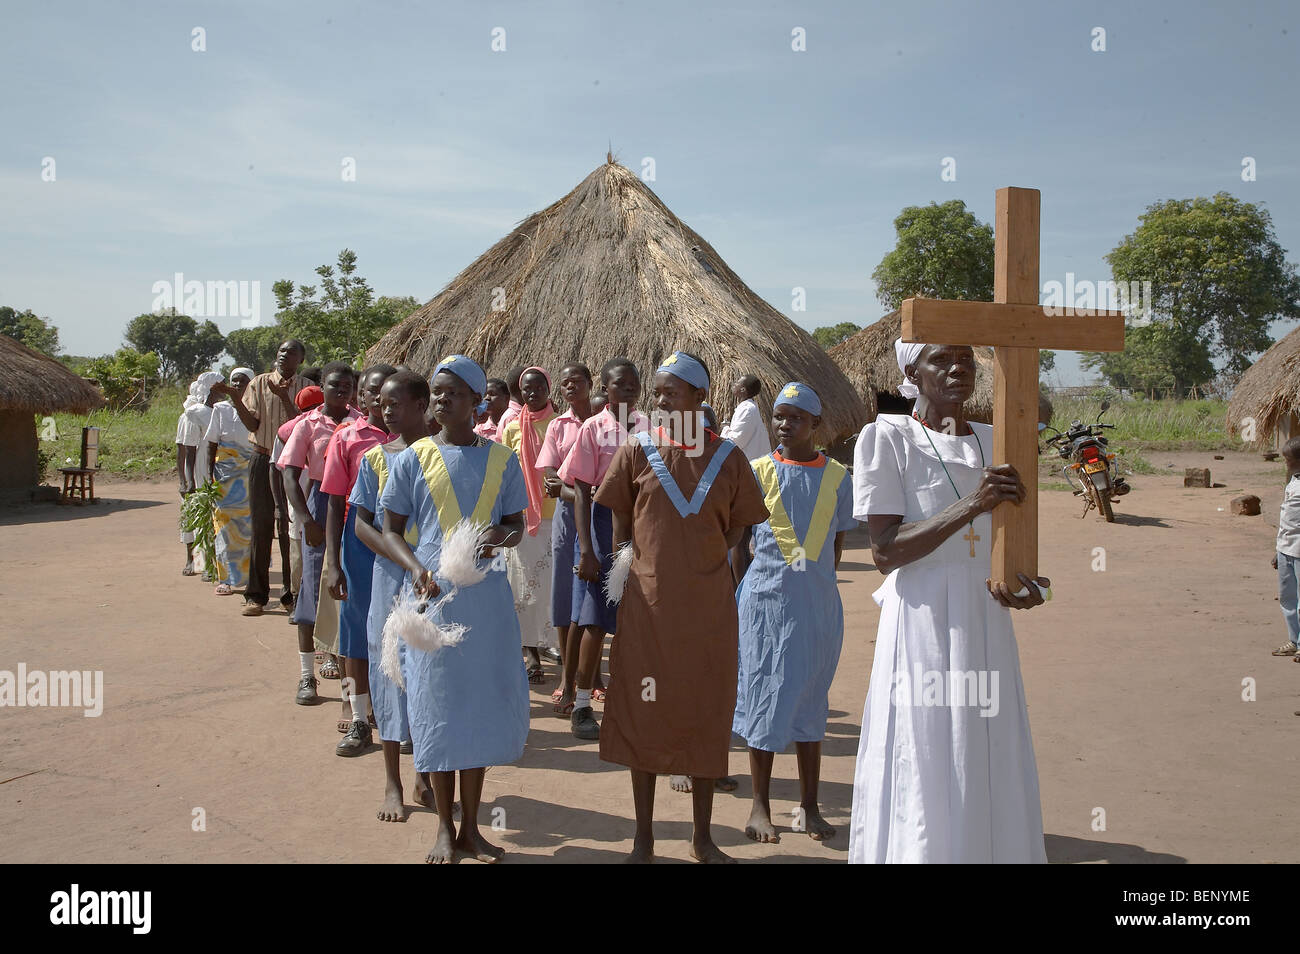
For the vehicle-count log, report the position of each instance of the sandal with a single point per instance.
(329, 669)
(557, 695)
(536, 674)
(598, 695)
(563, 711)
(224, 589)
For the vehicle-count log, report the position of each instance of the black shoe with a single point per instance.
(584, 725)
(286, 600)
(306, 690)
(406, 748)
(357, 740)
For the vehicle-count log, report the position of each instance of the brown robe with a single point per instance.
(677, 622)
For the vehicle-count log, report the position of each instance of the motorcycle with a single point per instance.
(1089, 469)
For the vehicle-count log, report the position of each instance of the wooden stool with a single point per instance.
(78, 481)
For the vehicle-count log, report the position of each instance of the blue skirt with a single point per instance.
(590, 608)
(468, 703)
(313, 558)
(387, 701)
(358, 567)
(564, 554)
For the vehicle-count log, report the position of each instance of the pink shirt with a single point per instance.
(561, 435)
(489, 430)
(343, 456)
(287, 427)
(512, 412)
(598, 438)
(310, 439)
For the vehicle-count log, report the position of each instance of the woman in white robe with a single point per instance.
(945, 769)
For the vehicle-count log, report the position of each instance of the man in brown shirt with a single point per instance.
(267, 403)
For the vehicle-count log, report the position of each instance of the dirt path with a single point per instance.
(1134, 677)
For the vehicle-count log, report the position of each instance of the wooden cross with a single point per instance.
(1016, 326)
(971, 536)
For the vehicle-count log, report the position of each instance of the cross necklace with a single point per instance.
(970, 536)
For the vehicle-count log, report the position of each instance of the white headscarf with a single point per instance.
(201, 388)
(246, 372)
(907, 354)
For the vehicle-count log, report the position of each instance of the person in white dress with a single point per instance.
(747, 429)
(945, 769)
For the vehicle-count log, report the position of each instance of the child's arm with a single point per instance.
(839, 547)
(622, 528)
(588, 565)
(739, 562)
(298, 503)
(337, 582)
(400, 552)
(505, 534)
(368, 535)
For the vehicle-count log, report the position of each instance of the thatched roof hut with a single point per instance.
(1269, 394)
(869, 360)
(609, 270)
(32, 383)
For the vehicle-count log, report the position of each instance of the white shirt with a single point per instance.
(191, 427)
(226, 426)
(747, 431)
(1288, 523)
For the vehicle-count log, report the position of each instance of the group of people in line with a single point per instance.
(708, 554)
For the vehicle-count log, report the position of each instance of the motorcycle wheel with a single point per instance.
(1101, 496)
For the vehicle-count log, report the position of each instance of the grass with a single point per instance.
(131, 443)
(1142, 424)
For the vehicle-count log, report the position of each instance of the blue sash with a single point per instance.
(670, 486)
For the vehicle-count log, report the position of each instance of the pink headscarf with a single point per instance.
(530, 445)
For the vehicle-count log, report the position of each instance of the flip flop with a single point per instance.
(329, 669)
(599, 695)
(224, 589)
(536, 674)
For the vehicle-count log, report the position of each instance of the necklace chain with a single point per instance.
(978, 444)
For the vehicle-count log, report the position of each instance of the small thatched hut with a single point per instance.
(869, 360)
(1269, 394)
(32, 383)
(610, 270)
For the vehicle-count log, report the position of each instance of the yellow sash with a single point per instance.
(379, 463)
(444, 495)
(818, 527)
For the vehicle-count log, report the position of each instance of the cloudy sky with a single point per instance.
(226, 164)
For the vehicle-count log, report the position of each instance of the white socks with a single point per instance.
(360, 706)
(582, 699)
(307, 661)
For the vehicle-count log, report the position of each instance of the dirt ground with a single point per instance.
(1134, 678)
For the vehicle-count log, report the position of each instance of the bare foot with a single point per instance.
(422, 794)
(444, 847)
(710, 854)
(818, 828)
(473, 843)
(760, 828)
(727, 783)
(642, 854)
(393, 809)
(679, 783)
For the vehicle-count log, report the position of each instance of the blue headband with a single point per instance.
(681, 365)
(800, 396)
(465, 369)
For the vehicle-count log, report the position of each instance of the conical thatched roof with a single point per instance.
(609, 270)
(34, 382)
(869, 360)
(1269, 390)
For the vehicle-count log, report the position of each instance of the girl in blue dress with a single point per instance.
(791, 618)
(468, 703)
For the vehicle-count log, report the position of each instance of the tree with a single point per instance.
(829, 336)
(1218, 277)
(943, 251)
(124, 377)
(1046, 361)
(35, 332)
(1155, 356)
(345, 320)
(255, 347)
(184, 347)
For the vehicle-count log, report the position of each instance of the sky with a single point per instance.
(226, 163)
